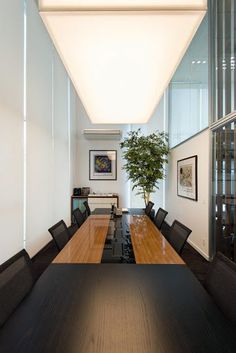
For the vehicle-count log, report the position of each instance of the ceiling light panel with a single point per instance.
(120, 61)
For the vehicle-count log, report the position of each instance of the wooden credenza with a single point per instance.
(102, 201)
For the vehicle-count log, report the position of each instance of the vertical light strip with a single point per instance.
(165, 128)
(129, 182)
(69, 130)
(217, 68)
(223, 61)
(24, 123)
(201, 92)
(53, 126)
(232, 58)
(53, 112)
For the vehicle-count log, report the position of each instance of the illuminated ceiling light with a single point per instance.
(121, 55)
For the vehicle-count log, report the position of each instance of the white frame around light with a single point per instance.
(114, 5)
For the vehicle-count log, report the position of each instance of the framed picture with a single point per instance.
(102, 165)
(187, 178)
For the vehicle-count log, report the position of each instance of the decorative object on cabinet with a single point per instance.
(77, 191)
(85, 191)
(187, 178)
(102, 165)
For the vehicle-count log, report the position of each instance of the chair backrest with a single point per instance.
(79, 217)
(165, 229)
(60, 234)
(178, 236)
(149, 208)
(16, 281)
(72, 229)
(159, 218)
(220, 283)
(88, 211)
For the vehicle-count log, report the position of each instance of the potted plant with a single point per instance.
(145, 157)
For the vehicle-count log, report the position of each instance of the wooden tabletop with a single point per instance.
(149, 245)
(86, 246)
(77, 308)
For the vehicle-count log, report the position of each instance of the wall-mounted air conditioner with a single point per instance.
(102, 134)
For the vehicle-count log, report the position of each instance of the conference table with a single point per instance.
(80, 305)
(149, 245)
(117, 308)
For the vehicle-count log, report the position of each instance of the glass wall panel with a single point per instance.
(188, 90)
(224, 189)
(223, 30)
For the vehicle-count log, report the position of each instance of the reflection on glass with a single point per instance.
(223, 30)
(224, 189)
(188, 90)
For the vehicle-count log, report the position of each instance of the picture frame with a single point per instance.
(187, 178)
(102, 165)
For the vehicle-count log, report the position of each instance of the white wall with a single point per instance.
(119, 186)
(194, 214)
(11, 128)
(50, 115)
(61, 172)
(122, 186)
(38, 169)
(39, 111)
(73, 155)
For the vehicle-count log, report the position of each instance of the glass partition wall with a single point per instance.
(224, 189)
(188, 90)
(223, 30)
(223, 105)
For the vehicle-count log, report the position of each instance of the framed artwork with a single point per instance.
(187, 178)
(102, 165)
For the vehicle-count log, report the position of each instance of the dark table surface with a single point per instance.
(134, 211)
(117, 309)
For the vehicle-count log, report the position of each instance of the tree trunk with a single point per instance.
(146, 196)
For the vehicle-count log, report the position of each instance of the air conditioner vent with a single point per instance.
(102, 134)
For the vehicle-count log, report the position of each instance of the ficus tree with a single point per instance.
(145, 157)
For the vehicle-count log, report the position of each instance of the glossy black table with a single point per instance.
(132, 211)
(117, 309)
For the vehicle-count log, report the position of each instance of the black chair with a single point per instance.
(160, 217)
(72, 229)
(60, 234)
(16, 281)
(88, 211)
(178, 236)
(165, 229)
(148, 208)
(220, 283)
(79, 217)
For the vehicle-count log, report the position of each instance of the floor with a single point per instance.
(192, 258)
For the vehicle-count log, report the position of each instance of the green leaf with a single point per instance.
(145, 157)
